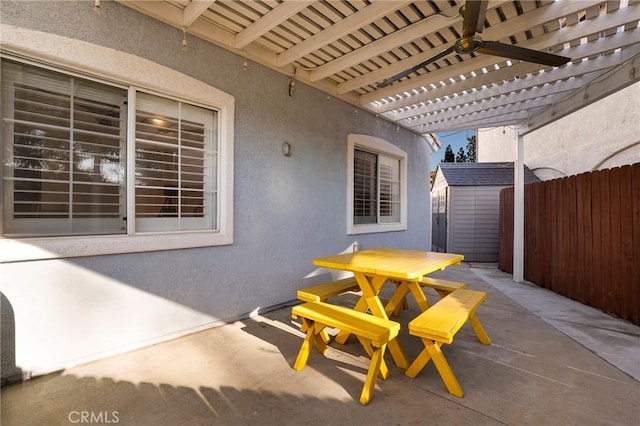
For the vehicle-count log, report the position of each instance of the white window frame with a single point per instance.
(379, 146)
(85, 60)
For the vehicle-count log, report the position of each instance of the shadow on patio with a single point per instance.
(239, 374)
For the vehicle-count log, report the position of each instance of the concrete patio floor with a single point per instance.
(552, 361)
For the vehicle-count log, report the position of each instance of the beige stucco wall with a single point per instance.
(496, 144)
(602, 135)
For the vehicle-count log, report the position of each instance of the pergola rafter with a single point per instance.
(346, 48)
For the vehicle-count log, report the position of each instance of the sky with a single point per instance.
(455, 139)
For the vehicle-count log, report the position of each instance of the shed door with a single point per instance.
(439, 221)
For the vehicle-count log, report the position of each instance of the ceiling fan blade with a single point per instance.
(473, 14)
(523, 54)
(405, 73)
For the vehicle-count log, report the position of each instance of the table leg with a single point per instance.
(397, 299)
(419, 295)
(370, 300)
(370, 290)
(400, 294)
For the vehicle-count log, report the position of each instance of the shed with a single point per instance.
(465, 200)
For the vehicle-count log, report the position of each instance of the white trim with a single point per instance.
(518, 214)
(17, 250)
(383, 147)
(131, 165)
(122, 68)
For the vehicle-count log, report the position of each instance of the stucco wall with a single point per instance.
(496, 144)
(287, 210)
(602, 135)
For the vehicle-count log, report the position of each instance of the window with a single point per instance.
(174, 165)
(377, 185)
(64, 154)
(81, 157)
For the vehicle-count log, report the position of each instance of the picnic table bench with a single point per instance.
(438, 325)
(321, 292)
(373, 333)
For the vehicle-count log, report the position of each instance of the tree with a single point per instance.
(461, 157)
(471, 149)
(448, 155)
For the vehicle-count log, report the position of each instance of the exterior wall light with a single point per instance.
(286, 149)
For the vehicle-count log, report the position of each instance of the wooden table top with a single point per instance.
(393, 263)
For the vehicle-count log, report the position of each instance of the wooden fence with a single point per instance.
(581, 238)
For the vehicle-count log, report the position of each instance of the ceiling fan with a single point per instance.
(473, 13)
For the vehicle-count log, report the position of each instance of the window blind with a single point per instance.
(364, 187)
(389, 177)
(64, 140)
(64, 149)
(175, 167)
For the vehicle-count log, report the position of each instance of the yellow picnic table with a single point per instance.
(372, 268)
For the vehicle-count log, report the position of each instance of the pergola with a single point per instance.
(348, 48)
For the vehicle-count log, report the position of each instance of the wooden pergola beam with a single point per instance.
(194, 10)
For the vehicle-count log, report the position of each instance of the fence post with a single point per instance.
(518, 214)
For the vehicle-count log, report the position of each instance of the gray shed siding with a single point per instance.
(472, 208)
(473, 222)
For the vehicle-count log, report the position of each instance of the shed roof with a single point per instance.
(483, 174)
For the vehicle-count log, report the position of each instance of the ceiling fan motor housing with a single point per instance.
(468, 44)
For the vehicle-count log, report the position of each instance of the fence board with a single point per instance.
(606, 241)
(635, 191)
(567, 260)
(556, 243)
(596, 245)
(582, 238)
(558, 254)
(543, 223)
(549, 200)
(529, 244)
(613, 284)
(626, 243)
(535, 268)
(572, 238)
(505, 250)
